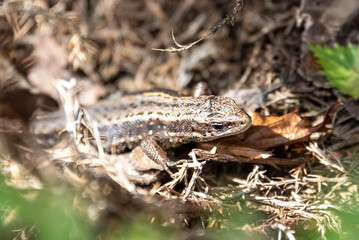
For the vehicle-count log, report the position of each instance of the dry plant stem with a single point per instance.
(197, 171)
(32, 11)
(324, 158)
(182, 175)
(293, 202)
(227, 20)
(272, 161)
(282, 228)
(169, 186)
(80, 49)
(67, 92)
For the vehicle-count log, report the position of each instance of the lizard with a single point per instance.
(155, 121)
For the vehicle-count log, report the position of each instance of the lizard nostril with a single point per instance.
(242, 122)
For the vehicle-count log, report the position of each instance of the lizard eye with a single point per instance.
(219, 126)
(215, 116)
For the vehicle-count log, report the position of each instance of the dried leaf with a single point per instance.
(269, 132)
(273, 161)
(274, 131)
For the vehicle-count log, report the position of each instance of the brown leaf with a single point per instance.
(273, 161)
(269, 132)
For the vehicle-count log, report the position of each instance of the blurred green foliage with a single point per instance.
(139, 228)
(52, 215)
(341, 66)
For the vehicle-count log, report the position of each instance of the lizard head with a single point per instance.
(219, 117)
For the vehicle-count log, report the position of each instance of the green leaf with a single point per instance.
(341, 66)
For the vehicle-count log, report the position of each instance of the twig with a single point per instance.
(227, 20)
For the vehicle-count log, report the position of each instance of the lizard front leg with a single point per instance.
(156, 153)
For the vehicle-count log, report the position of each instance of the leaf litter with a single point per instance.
(290, 168)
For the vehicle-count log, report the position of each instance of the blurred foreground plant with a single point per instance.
(51, 214)
(40, 214)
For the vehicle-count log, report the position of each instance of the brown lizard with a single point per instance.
(156, 121)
